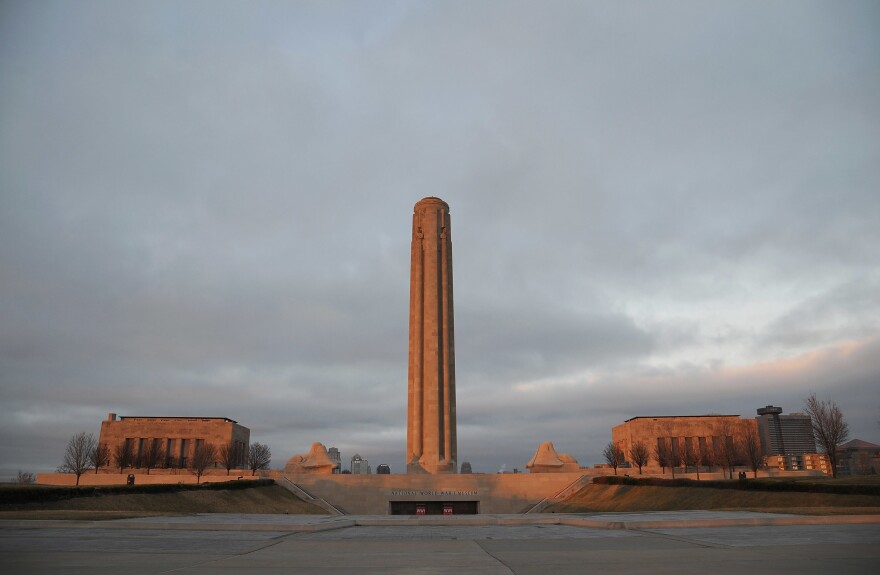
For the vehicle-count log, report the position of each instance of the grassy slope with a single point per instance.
(266, 499)
(593, 498)
(653, 498)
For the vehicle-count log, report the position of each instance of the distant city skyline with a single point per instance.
(660, 209)
(360, 465)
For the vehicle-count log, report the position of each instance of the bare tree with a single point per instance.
(100, 456)
(204, 455)
(705, 455)
(718, 450)
(259, 457)
(687, 456)
(725, 448)
(152, 455)
(672, 447)
(693, 457)
(829, 427)
(639, 454)
(123, 455)
(76, 456)
(661, 454)
(24, 477)
(613, 455)
(230, 455)
(750, 448)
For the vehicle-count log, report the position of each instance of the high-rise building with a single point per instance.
(360, 466)
(788, 442)
(336, 458)
(431, 445)
(790, 434)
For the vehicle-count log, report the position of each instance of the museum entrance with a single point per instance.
(435, 507)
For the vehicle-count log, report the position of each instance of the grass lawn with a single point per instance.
(258, 499)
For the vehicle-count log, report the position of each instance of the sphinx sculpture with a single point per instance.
(316, 462)
(546, 460)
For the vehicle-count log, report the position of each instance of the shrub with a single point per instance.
(777, 485)
(46, 493)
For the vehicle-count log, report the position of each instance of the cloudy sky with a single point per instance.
(658, 209)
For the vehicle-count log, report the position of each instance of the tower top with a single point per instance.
(432, 200)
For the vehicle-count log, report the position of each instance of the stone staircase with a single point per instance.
(566, 492)
(308, 497)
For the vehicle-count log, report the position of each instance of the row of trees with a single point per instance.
(84, 452)
(733, 450)
(743, 448)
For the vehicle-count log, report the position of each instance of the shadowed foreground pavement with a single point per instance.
(667, 542)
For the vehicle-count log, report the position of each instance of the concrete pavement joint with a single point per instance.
(230, 523)
(495, 557)
(689, 541)
(271, 543)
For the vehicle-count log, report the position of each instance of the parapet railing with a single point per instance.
(306, 496)
(569, 489)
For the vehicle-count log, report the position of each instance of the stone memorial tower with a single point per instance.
(431, 445)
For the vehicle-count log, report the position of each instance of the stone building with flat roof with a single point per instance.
(858, 457)
(174, 438)
(705, 433)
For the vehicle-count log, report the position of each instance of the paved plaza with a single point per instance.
(665, 542)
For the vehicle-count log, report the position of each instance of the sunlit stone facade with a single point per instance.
(693, 432)
(175, 437)
(431, 445)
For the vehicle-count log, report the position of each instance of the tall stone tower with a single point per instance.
(431, 445)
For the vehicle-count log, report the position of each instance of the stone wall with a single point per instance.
(496, 493)
(155, 477)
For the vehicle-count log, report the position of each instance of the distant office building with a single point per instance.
(801, 462)
(383, 469)
(788, 442)
(360, 466)
(173, 439)
(858, 457)
(334, 455)
(790, 434)
(816, 462)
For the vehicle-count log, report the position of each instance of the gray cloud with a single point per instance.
(205, 209)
